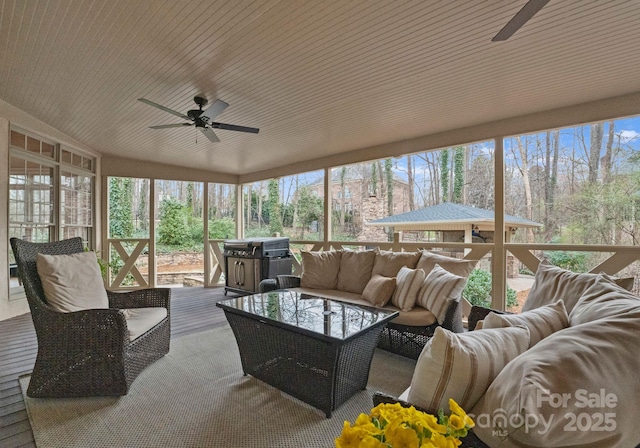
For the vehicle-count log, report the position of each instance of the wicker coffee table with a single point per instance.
(317, 350)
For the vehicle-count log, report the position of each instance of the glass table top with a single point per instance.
(306, 312)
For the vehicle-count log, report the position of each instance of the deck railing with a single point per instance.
(132, 251)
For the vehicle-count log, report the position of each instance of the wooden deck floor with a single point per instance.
(192, 310)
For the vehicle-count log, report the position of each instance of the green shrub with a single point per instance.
(478, 290)
(173, 229)
(573, 261)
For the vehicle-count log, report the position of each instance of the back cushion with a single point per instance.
(583, 381)
(355, 270)
(553, 283)
(72, 282)
(320, 269)
(388, 263)
(456, 266)
(604, 300)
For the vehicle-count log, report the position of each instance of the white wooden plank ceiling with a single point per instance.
(317, 77)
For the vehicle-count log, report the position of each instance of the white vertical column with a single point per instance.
(327, 209)
(207, 249)
(152, 232)
(239, 212)
(499, 258)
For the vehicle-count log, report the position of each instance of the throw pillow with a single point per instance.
(552, 283)
(355, 270)
(603, 300)
(582, 381)
(408, 284)
(541, 322)
(457, 266)
(379, 290)
(389, 263)
(439, 288)
(463, 365)
(72, 282)
(320, 269)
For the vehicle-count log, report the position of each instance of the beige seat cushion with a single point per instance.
(463, 365)
(439, 289)
(389, 263)
(417, 317)
(141, 320)
(379, 290)
(456, 266)
(355, 270)
(552, 283)
(541, 322)
(72, 282)
(408, 283)
(555, 379)
(320, 269)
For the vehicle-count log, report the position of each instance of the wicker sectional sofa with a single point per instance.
(369, 278)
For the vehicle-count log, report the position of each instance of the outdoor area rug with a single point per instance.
(196, 396)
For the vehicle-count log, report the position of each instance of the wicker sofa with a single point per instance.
(347, 276)
(574, 384)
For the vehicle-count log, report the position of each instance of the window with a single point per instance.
(36, 168)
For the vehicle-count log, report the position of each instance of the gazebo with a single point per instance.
(455, 223)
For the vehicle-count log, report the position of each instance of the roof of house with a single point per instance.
(446, 214)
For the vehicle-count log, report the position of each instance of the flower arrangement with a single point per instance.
(394, 426)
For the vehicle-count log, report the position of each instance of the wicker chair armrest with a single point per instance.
(86, 328)
(470, 441)
(288, 281)
(478, 313)
(141, 298)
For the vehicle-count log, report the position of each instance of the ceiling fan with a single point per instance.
(521, 17)
(201, 119)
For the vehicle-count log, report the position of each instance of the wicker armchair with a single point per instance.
(87, 353)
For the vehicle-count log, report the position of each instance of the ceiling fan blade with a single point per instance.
(166, 109)
(522, 17)
(208, 132)
(233, 127)
(214, 110)
(166, 126)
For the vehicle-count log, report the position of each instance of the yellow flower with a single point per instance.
(458, 411)
(371, 442)
(399, 436)
(350, 437)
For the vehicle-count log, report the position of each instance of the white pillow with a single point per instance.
(541, 322)
(463, 365)
(72, 282)
(438, 290)
(456, 266)
(603, 300)
(553, 283)
(408, 283)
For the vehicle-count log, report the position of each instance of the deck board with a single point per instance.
(192, 310)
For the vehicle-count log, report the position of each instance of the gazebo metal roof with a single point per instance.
(447, 216)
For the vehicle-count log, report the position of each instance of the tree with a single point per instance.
(310, 208)
(458, 173)
(173, 229)
(444, 174)
(275, 218)
(374, 180)
(120, 209)
(388, 174)
(597, 133)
